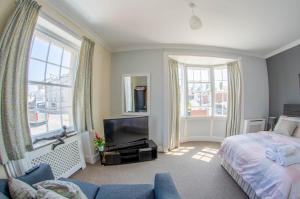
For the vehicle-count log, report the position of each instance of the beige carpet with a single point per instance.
(194, 167)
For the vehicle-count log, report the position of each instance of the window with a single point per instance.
(51, 76)
(204, 90)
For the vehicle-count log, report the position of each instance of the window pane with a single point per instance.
(197, 76)
(36, 70)
(40, 48)
(36, 109)
(67, 58)
(66, 76)
(67, 116)
(218, 74)
(205, 75)
(66, 103)
(199, 94)
(66, 96)
(52, 74)
(221, 92)
(190, 75)
(53, 107)
(225, 76)
(55, 54)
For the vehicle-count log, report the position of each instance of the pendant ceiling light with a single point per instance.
(195, 21)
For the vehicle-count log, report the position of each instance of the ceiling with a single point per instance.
(255, 26)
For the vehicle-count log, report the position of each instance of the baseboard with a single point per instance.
(160, 149)
(92, 159)
(201, 138)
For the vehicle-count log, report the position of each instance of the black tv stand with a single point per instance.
(139, 151)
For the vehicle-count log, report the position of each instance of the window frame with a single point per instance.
(212, 82)
(46, 34)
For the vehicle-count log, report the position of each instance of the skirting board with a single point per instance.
(92, 159)
(201, 138)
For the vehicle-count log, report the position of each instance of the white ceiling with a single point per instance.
(256, 26)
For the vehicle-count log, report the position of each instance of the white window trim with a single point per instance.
(212, 82)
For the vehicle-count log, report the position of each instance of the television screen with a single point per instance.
(123, 130)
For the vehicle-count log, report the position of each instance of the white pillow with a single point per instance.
(63, 188)
(20, 190)
(47, 194)
(297, 132)
(286, 125)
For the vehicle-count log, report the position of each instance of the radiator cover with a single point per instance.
(64, 160)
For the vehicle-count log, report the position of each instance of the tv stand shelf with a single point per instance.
(145, 150)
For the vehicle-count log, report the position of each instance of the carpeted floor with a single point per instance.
(194, 167)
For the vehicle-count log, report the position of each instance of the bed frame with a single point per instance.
(290, 110)
(239, 180)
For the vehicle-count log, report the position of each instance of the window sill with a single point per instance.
(45, 143)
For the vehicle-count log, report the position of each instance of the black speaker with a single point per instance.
(111, 158)
(145, 154)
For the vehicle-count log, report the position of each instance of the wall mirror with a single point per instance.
(136, 94)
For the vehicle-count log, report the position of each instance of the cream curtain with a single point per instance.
(234, 114)
(174, 105)
(82, 107)
(14, 51)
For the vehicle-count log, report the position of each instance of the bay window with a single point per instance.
(203, 90)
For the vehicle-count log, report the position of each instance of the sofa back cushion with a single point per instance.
(3, 196)
(4, 187)
(37, 174)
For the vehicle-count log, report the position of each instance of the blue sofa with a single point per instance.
(163, 188)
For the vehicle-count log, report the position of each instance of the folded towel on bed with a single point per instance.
(283, 154)
(288, 160)
(286, 150)
(271, 154)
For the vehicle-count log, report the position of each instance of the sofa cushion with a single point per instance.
(2, 196)
(4, 187)
(165, 187)
(90, 190)
(139, 191)
(37, 174)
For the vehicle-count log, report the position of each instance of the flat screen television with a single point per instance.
(124, 130)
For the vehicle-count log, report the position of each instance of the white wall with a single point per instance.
(255, 88)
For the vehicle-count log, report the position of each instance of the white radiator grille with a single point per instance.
(64, 160)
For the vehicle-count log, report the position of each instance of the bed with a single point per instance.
(243, 157)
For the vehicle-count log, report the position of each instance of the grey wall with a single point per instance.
(283, 70)
(256, 95)
(134, 62)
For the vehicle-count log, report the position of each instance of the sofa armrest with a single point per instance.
(37, 174)
(164, 187)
